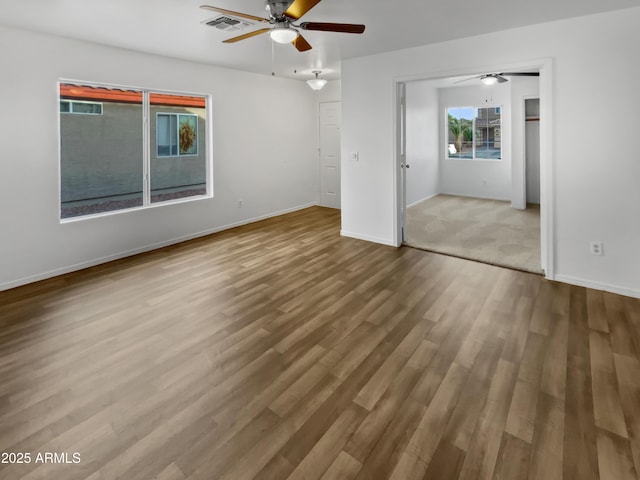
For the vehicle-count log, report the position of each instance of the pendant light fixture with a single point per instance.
(317, 83)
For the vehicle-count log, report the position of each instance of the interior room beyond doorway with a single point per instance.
(465, 144)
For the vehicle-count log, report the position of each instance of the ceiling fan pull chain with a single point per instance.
(273, 61)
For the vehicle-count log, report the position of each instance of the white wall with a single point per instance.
(264, 137)
(595, 191)
(477, 178)
(521, 89)
(422, 131)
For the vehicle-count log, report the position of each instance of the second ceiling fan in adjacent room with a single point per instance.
(493, 78)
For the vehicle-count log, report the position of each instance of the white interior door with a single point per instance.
(330, 154)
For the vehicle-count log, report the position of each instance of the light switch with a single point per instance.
(355, 156)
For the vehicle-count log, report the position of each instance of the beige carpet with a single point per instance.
(489, 231)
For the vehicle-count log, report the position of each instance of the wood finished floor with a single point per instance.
(281, 350)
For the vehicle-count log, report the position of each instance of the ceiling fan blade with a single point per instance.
(521, 74)
(501, 79)
(235, 14)
(299, 7)
(333, 27)
(465, 79)
(246, 35)
(301, 44)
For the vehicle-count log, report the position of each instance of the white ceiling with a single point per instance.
(174, 27)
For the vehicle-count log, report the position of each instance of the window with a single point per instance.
(474, 133)
(84, 108)
(177, 134)
(106, 162)
(167, 134)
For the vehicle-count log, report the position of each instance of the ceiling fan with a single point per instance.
(282, 14)
(493, 78)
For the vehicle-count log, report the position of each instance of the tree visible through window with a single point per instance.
(460, 123)
(474, 132)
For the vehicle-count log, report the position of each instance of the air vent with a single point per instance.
(228, 24)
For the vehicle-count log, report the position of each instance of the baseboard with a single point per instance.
(368, 238)
(422, 200)
(146, 248)
(483, 197)
(627, 292)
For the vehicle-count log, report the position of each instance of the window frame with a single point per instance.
(475, 109)
(146, 144)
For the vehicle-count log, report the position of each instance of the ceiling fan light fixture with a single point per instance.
(283, 34)
(489, 79)
(316, 83)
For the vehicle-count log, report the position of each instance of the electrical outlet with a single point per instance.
(597, 248)
(239, 203)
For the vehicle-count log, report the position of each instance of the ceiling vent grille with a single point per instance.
(228, 24)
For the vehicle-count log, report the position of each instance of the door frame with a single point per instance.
(547, 190)
(401, 154)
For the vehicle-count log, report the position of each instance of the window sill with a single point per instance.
(493, 160)
(79, 218)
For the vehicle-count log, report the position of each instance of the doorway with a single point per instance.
(330, 154)
(534, 175)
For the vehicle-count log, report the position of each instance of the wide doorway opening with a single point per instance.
(469, 157)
